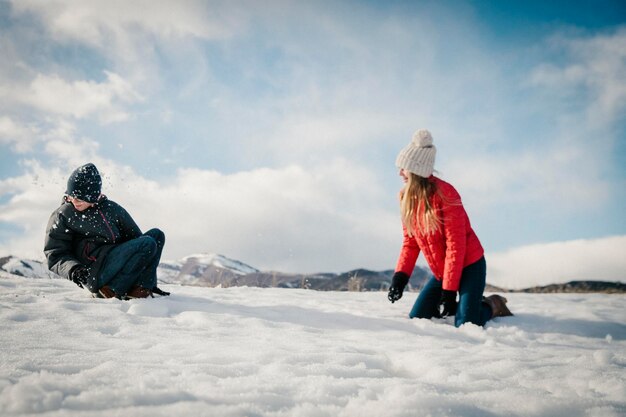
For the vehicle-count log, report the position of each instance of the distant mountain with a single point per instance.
(25, 268)
(213, 270)
(203, 270)
(606, 287)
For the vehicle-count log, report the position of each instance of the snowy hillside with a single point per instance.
(297, 353)
(220, 261)
(209, 270)
(214, 270)
(25, 267)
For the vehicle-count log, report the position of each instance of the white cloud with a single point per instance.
(562, 177)
(557, 262)
(136, 38)
(597, 64)
(339, 131)
(20, 138)
(29, 205)
(561, 165)
(283, 219)
(54, 95)
(56, 138)
(97, 22)
(287, 219)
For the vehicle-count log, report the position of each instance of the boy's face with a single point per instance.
(79, 204)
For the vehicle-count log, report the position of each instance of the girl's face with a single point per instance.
(79, 204)
(404, 175)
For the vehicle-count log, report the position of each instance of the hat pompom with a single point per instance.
(422, 138)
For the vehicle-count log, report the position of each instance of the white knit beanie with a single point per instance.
(418, 156)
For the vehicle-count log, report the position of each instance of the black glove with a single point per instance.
(448, 303)
(398, 282)
(79, 275)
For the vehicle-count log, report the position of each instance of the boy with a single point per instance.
(95, 243)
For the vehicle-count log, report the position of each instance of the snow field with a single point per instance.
(287, 352)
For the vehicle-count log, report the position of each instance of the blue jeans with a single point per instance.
(133, 263)
(470, 307)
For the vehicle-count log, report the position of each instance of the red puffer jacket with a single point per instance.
(448, 250)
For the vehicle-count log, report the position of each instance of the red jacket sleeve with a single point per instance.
(408, 255)
(454, 229)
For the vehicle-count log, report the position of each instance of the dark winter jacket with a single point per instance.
(85, 238)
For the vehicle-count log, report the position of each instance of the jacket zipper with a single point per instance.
(108, 225)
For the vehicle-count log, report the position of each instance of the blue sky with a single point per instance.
(268, 132)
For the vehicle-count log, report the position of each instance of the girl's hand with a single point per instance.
(398, 282)
(447, 304)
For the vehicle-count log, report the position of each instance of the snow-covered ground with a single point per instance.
(286, 352)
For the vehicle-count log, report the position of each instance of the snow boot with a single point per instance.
(498, 306)
(138, 292)
(107, 292)
(156, 290)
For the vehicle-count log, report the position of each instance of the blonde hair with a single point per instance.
(418, 214)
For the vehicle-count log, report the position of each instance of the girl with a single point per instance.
(435, 223)
(94, 242)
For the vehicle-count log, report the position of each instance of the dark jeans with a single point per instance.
(133, 263)
(470, 307)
